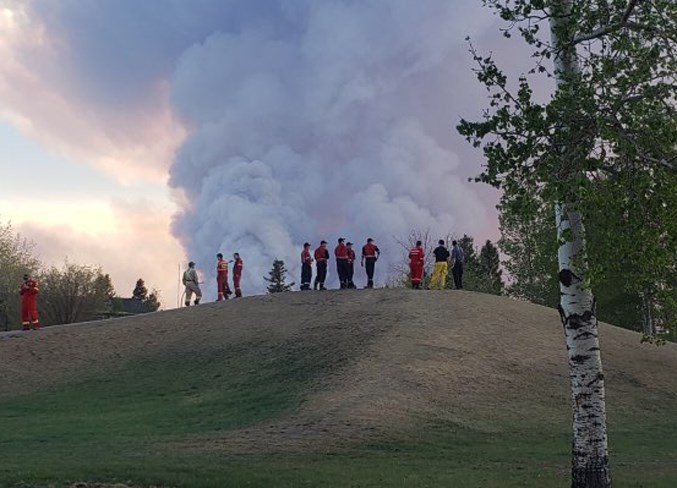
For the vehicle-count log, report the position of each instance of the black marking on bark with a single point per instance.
(584, 335)
(578, 321)
(562, 315)
(599, 377)
(594, 348)
(580, 358)
(567, 277)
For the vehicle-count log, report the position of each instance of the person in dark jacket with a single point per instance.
(350, 266)
(321, 258)
(306, 268)
(341, 254)
(457, 267)
(370, 254)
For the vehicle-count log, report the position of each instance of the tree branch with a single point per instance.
(602, 31)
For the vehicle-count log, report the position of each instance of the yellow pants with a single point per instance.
(439, 277)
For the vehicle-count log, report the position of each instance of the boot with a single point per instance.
(187, 304)
(196, 302)
(315, 285)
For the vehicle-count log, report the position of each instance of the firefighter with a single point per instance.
(222, 288)
(370, 254)
(321, 258)
(237, 274)
(439, 276)
(416, 261)
(192, 284)
(350, 266)
(306, 268)
(341, 254)
(29, 304)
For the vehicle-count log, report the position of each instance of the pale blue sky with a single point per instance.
(27, 169)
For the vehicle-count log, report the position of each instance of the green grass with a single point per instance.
(118, 427)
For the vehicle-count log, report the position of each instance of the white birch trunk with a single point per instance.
(589, 455)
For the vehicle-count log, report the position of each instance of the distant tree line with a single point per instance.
(621, 250)
(482, 265)
(68, 294)
(527, 253)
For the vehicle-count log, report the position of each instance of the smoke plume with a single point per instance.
(322, 122)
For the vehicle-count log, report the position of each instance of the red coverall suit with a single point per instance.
(223, 290)
(237, 276)
(416, 260)
(29, 304)
(341, 253)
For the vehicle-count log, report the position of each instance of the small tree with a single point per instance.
(490, 269)
(151, 301)
(277, 277)
(140, 291)
(74, 293)
(529, 241)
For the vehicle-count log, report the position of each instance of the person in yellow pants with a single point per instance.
(439, 276)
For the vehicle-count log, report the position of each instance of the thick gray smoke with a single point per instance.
(334, 118)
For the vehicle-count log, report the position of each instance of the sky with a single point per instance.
(138, 135)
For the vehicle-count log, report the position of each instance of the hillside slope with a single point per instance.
(388, 357)
(323, 372)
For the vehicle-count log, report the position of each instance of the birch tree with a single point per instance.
(612, 111)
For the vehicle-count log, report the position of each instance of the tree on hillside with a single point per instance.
(277, 277)
(140, 291)
(74, 293)
(612, 113)
(16, 259)
(490, 268)
(153, 300)
(150, 300)
(530, 245)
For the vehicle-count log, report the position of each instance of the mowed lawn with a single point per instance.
(130, 425)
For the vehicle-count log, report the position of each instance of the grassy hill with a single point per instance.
(343, 388)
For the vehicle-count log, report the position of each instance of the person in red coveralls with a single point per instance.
(306, 268)
(370, 254)
(29, 303)
(416, 259)
(341, 253)
(321, 257)
(223, 290)
(237, 274)
(350, 266)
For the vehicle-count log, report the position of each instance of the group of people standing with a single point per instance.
(192, 284)
(443, 257)
(345, 263)
(345, 267)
